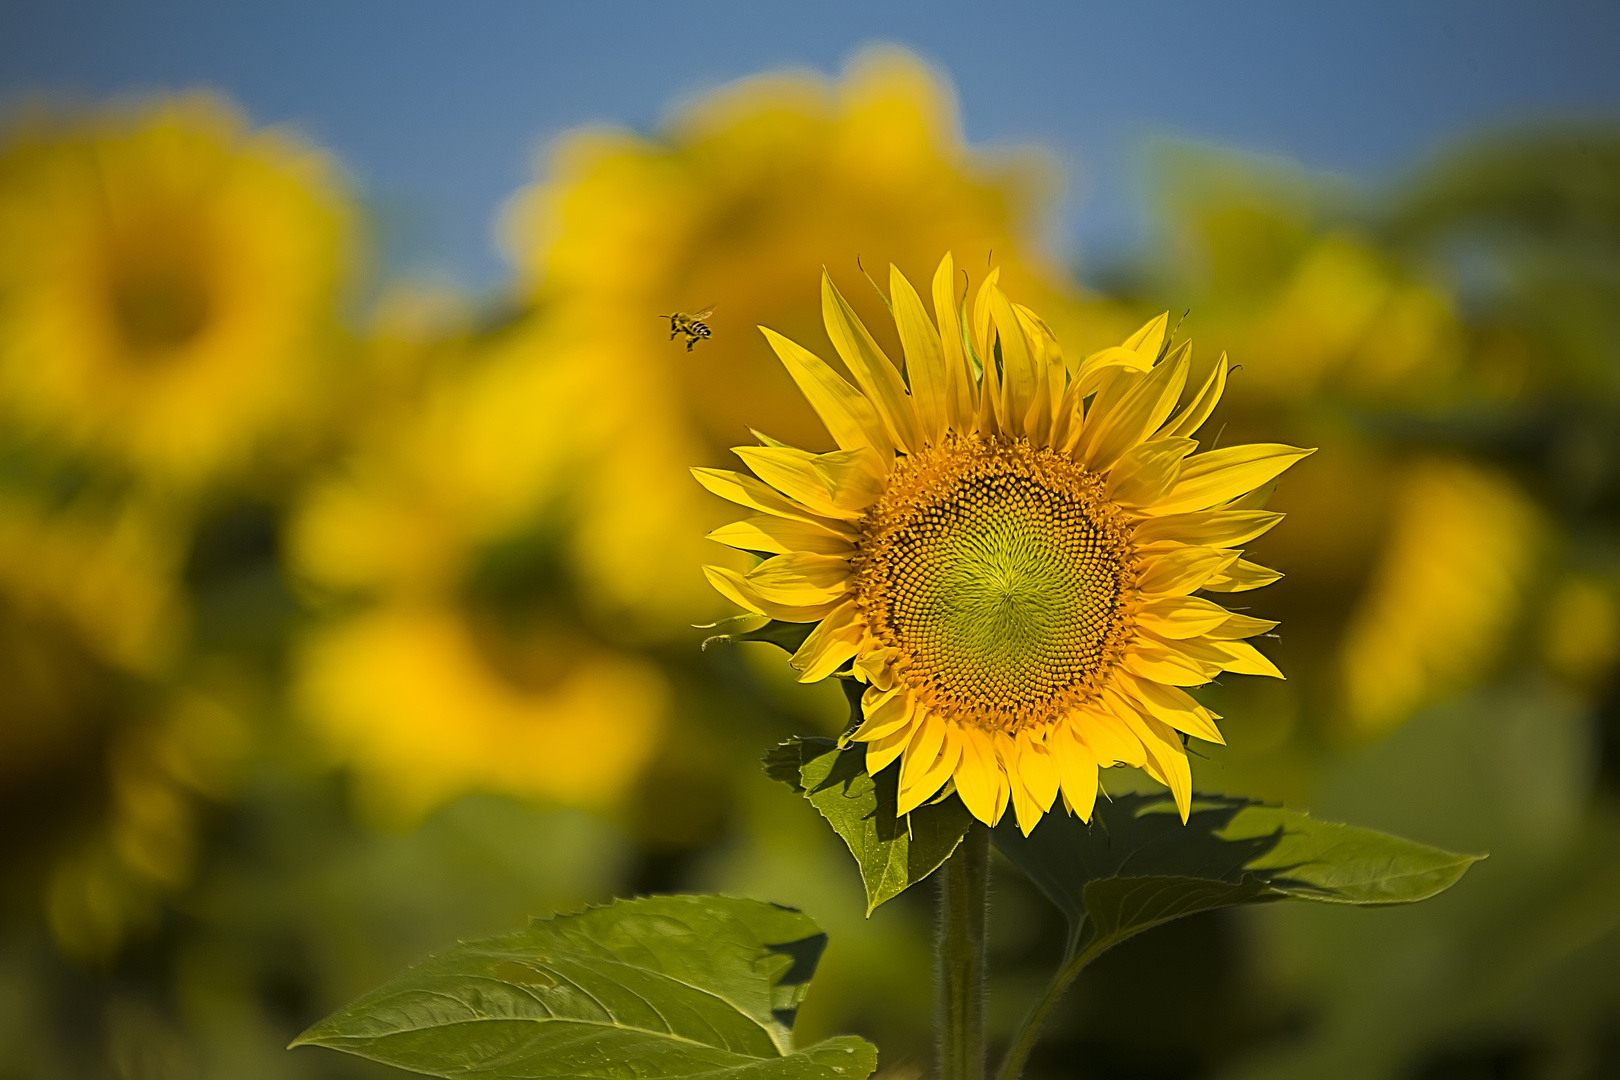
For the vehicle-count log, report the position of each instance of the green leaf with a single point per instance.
(783, 761)
(1136, 865)
(893, 852)
(665, 986)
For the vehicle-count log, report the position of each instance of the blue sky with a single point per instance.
(439, 109)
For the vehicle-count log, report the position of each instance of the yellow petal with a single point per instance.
(1209, 528)
(886, 712)
(1242, 576)
(1167, 761)
(1110, 741)
(1166, 757)
(881, 752)
(1219, 476)
(925, 360)
(978, 775)
(1017, 363)
(1034, 781)
(1258, 499)
(874, 372)
(1089, 376)
(988, 418)
(1077, 773)
(1237, 627)
(926, 784)
(927, 737)
(1147, 341)
(1145, 474)
(992, 415)
(1245, 659)
(961, 395)
(1190, 419)
(1050, 351)
(849, 417)
(1163, 664)
(877, 667)
(779, 536)
(833, 641)
(744, 490)
(1066, 417)
(790, 471)
(1183, 570)
(855, 478)
(1171, 706)
(1050, 381)
(1118, 426)
(1181, 616)
(1235, 656)
(981, 315)
(1003, 749)
(732, 586)
(801, 578)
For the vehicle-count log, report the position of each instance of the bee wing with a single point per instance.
(704, 314)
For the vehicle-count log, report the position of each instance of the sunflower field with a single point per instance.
(344, 617)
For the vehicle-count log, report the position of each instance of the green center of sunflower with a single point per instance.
(998, 571)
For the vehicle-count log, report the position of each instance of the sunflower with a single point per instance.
(453, 664)
(1453, 578)
(166, 276)
(738, 198)
(1005, 551)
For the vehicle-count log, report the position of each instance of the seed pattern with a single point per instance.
(1001, 575)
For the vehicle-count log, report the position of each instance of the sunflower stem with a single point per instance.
(1030, 1030)
(959, 956)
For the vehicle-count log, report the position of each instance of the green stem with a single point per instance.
(1030, 1030)
(964, 901)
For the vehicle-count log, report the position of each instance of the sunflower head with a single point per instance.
(1005, 549)
(167, 274)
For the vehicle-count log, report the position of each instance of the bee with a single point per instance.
(692, 326)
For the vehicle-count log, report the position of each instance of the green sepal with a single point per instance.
(784, 635)
(1136, 865)
(887, 303)
(665, 986)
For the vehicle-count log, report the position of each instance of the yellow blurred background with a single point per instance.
(339, 622)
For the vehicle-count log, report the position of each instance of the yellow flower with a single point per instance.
(1451, 583)
(1006, 550)
(163, 279)
(443, 682)
(111, 574)
(740, 197)
(102, 750)
(424, 707)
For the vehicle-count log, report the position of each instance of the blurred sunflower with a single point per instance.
(456, 665)
(1452, 579)
(1004, 553)
(109, 573)
(1316, 308)
(740, 197)
(104, 754)
(1418, 562)
(165, 279)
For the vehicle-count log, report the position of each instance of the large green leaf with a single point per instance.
(666, 986)
(1136, 865)
(893, 852)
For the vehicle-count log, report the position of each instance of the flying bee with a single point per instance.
(692, 326)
